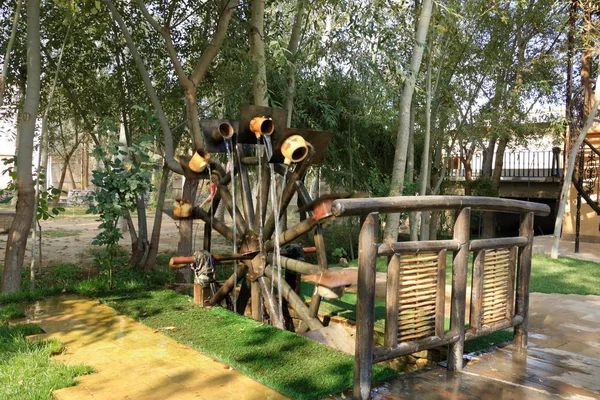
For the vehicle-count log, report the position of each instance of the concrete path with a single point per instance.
(562, 361)
(587, 251)
(133, 361)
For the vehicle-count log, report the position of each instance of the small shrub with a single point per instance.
(10, 312)
(92, 286)
(160, 276)
(339, 236)
(61, 275)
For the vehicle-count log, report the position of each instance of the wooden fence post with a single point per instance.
(523, 275)
(365, 303)
(462, 228)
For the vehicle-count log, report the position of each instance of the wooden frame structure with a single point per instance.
(415, 296)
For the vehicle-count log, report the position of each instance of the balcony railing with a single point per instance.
(519, 164)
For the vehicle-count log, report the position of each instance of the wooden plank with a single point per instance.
(367, 259)
(404, 348)
(334, 278)
(347, 207)
(523, 276)
(462, 228)
(391, 302)
(441, 295)
(510, 283)
(386, 249)
(496, 243)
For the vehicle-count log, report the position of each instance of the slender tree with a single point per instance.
(19, 230)
(397, 185)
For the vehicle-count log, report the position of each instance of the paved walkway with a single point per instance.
(133, 361)
(587, 251)
(562, 361)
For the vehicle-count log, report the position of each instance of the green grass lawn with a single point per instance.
(291, 364)
(564, 275)
(26, 370)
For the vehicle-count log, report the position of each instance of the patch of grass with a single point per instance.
(564, 275)
(26, 370)
(60, 233)
(10, 312)
(291, 364)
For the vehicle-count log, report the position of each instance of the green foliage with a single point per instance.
(125, 179)
(45, 197)
(483, 187)
(61, 275)
(339, 252)
(10, 312)
(340, 235)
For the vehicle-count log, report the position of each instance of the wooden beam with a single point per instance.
(361, 206)
(365, 302)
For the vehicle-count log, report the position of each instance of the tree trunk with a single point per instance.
(63, 175)
(11, 41)
(19, 230)
(257, 51)
(155, 238)
(186, 231)
(399, 168)
(489, 218)
(488, 159)
(564, 193)
(413, 223)
(425, 164)
(291, 58)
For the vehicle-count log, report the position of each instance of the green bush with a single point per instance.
(61, 275)
(339, 236)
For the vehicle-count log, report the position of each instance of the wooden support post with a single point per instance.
(367, 260)
(523, 275)
(229, 285)
(247, 203)
(296, 302)
(462, 228)
(315, 301)
(256, 299)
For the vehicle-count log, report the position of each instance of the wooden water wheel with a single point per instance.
(265, 273)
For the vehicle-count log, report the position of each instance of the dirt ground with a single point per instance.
(68, 239)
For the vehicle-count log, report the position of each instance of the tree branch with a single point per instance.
(171, 162)
(166, 34)
(209, 54)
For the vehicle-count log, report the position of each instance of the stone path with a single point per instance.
(133, 361)
(562, 361)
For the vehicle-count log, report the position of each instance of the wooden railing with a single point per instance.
(415, 295)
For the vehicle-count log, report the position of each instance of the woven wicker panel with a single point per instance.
(417, 300)
(495, 285)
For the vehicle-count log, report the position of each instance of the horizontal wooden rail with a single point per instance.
(497, 326)
(404, 348)
(498, 243)
(294, 265)
(364, 206)
(389, 249)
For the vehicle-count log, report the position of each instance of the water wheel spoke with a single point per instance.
(227, 198)
(287, 194)
(247, 203)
